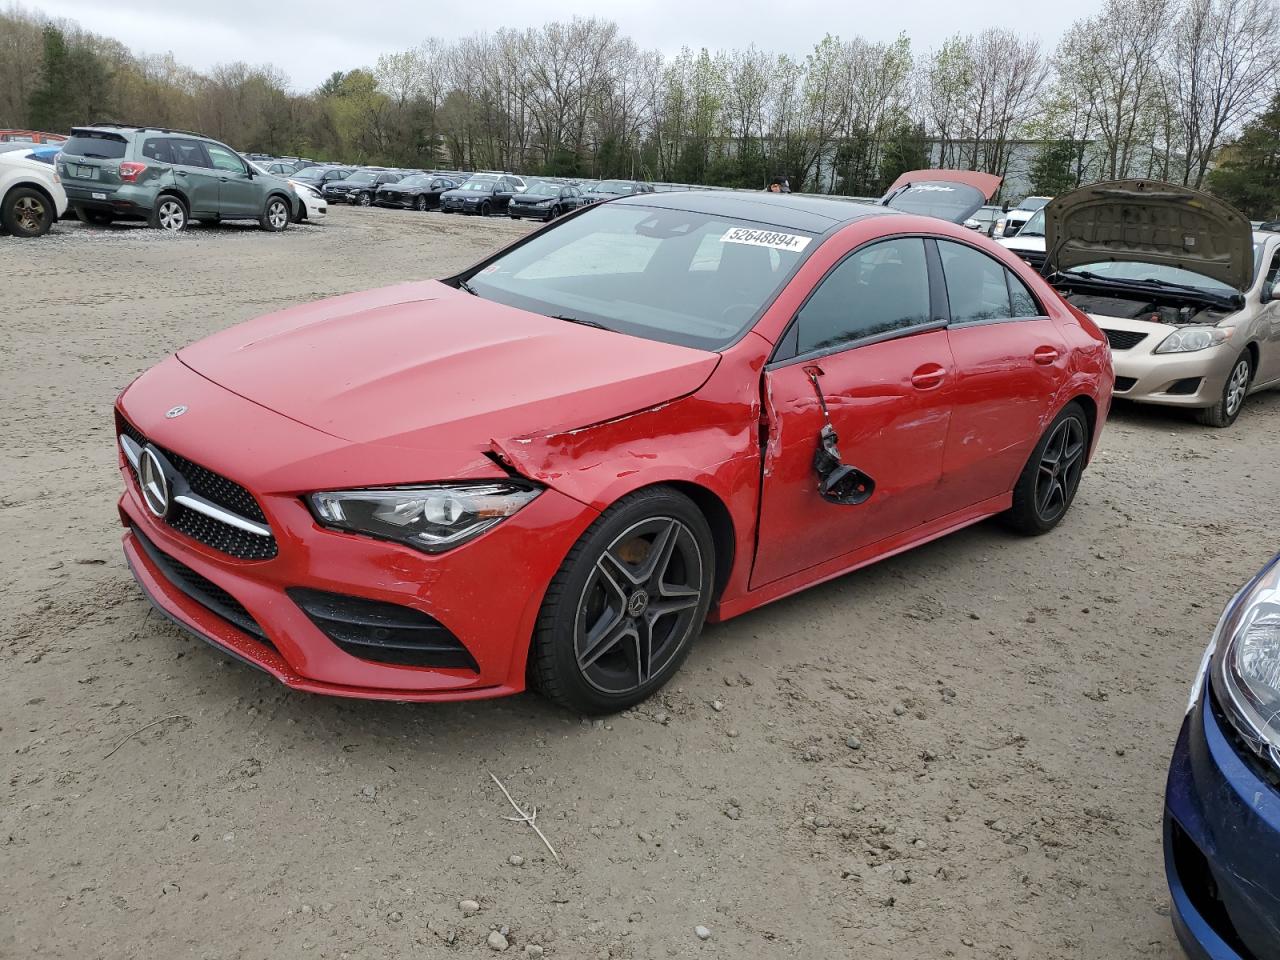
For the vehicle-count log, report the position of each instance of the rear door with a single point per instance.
(195, 175)
(1268, 324)
(239, 195)
(1011, 361)
(869, 335)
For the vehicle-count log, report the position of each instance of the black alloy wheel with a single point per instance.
(1049, 481)
(365, 199)
(627, 604)
(420, 203)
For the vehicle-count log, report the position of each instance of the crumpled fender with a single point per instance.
(709, 439)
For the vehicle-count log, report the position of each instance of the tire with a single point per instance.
(420, 203)
(27, 213)
(96, 218)
(1048, 482)
(604, 589)
(1231, 402)
(365, 198)
(170, 214)
(484, 209)
(276, 215)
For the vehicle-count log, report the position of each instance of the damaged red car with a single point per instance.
(554, 467)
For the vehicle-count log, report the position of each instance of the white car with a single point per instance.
(1011, 221)
(31, 195)
(1028, 243)
(314, 204)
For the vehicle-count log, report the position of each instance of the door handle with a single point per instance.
(928, 377)
(181, 173)
(1045, 355)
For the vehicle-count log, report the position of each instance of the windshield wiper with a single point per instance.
(467, 288)
(578, 320)
(1228, 299)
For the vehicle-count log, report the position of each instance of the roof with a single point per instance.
(787, 210)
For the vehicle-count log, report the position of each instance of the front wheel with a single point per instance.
(364, 198)
(1049, 480)
(553, 213)
(627, 604)
(276, 216)
(27, 213)
(484, 209)
(420, 203)
(1231, 402)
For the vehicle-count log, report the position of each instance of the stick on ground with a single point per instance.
(528, 818)
(176, 716)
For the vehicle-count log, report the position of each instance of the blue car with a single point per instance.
(1222, 805)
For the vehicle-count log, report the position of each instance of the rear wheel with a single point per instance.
(627, 604)
(170, 214)
(1224, 412)
(1048, 482)
(275, 216)
(27, 213)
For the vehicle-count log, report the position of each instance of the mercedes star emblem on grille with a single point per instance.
(154, 483)
(177, 411)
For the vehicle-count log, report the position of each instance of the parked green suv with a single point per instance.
(168, 178)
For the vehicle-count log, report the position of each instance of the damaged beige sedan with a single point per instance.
(1184, 289)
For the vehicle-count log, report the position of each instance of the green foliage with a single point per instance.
(1248, 176)
(1053, 171)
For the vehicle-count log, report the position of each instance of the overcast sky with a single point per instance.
(311, 39)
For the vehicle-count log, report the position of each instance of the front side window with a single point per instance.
(224, 159)
(877, 290)
(976, 285)
(638, 270)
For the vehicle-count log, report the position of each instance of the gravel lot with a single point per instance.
(958, 752)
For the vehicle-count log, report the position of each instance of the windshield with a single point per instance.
(309, 173)
(364, 176)
(692, 279)
(416, 180)
(478, 186)
(543, 190)
(612, 186)
(1034, 227)
(1158, 272)
(1033, 203)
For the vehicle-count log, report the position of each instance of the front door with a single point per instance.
(869, 335)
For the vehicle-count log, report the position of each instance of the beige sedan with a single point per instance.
(1186, 293)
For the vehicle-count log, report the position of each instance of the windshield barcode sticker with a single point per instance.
(765, 238)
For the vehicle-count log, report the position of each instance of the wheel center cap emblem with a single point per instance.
(638, 603)
(155, 485)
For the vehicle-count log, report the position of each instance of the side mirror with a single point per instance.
(1004, 207)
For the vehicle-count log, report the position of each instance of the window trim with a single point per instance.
(789, 340)
(966, 324)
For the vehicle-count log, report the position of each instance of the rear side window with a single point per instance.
(158, 150)
(188, 153)
(100, 146)
(981, 288)
(877, 290)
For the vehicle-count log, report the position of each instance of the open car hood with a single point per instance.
(954, 195)
(1146, 221)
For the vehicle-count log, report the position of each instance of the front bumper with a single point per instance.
(1221, 844)
(486, 593)
(1171, 379)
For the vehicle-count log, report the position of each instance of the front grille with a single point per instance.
(383, 632)
(218, 490)
(1124, 339)
(200, 589)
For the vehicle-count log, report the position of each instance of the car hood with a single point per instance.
(1146, 221)
(426, 366)
(347, 184)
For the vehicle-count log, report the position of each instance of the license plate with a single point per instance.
(99, 196)
(86, 173)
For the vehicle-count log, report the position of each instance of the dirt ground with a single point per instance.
(1013, 702)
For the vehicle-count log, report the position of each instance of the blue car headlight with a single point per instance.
(1245, 670)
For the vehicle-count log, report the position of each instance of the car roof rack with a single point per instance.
(142, 126)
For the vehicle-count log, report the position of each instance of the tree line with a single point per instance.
(1149, 88)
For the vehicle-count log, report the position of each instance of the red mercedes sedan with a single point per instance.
(554, 467)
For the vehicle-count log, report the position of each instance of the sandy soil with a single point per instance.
(1014, 702)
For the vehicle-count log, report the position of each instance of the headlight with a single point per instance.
(1191, 339)
(999, 231)
(1246, 667)
(309, 191)
(433, 518)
